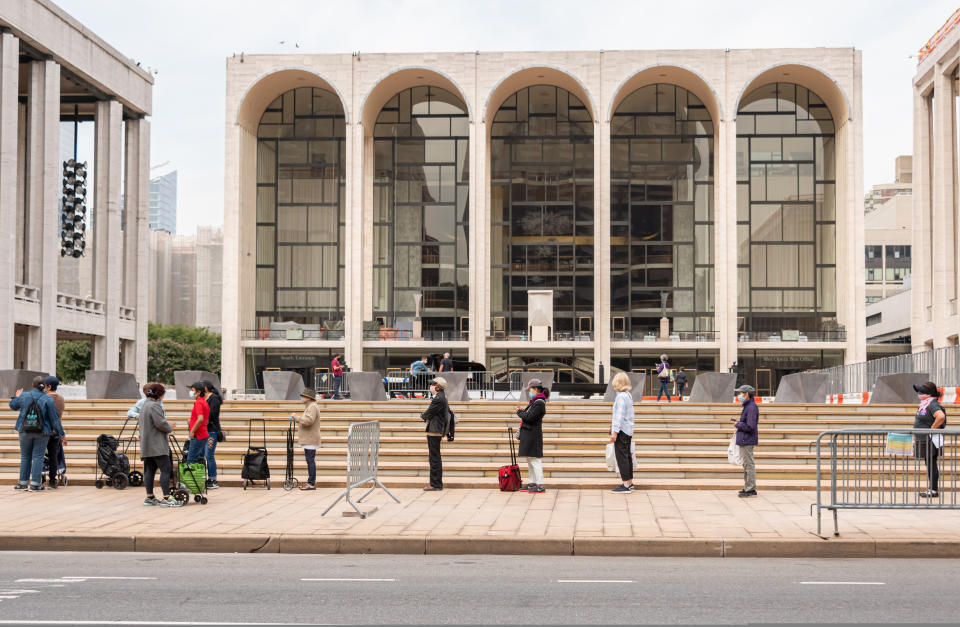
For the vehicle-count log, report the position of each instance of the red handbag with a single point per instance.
(510, 480)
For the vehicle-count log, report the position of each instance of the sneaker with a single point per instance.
(746, 493)
(53, 485)
(537, 489)
(529, 487)
(150, 501)
(169, 501)
(622, 489)
(212, 484)
(37, 488)
(20, 486)
(929, 494)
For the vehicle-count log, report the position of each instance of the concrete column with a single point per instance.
(601, 250)
(920, 331)
(107, 252)
(942, 194)
(9, 118)
(479, 218)
(725, 239)
(355, 227)
(232, 375)
(136, 242)
(42, 194)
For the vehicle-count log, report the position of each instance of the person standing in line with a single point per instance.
(621, 431)
(930, 415)
(50, 385)
(681, 382)
(199, 417)
(748, 437)
(437, 417)
(309, 435)
(663, 374)
(446, 364)
(531, 433)
(337, 369)
(37, 421)
(214, 401)
(155, 446)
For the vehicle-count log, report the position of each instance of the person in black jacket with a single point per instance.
(213, 429)
(531, 433)
(437, 417)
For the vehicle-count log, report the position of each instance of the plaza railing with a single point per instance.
(363, 464)
(941, 365)
(293, 335)
(886, 469)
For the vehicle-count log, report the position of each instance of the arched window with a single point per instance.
(420, 222)
(661, 212)
(300, 212)
(786, 212)
(541, 208)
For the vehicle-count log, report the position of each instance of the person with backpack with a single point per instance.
(215, 435)
(663, 373)
(155, 445)
(531, 433)
(681, 382)
(38, 420)
(437, 417)
(199, 417)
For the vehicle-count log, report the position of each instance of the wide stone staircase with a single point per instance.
(678, 445)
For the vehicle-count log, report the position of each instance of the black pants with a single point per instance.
(150, 467)
(680, 387)
(53, 448)
(933, 472)
(436, 464)
(624, 461)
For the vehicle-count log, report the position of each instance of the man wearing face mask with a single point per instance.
(437, 417)
(747, 438)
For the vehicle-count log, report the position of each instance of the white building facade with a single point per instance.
(52, 68)
(393, 205)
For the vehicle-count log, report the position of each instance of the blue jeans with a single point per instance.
(337, 384)
(310, 454)
(664, 388)
(196, 449)
(32, 448)
(208, 454)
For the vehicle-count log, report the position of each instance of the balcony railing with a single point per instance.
(558, 336)
(127, 313)
(293, 335)
(26, 293)
(792, 336)
(653, 335)
(404, 334)
(83, 305)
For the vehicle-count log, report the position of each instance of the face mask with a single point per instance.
(192, 393)
(531, 393)
(741, 397)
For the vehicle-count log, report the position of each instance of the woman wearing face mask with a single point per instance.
(437, 417)
(930, 415)
(747, 438)
(531, 433)
(199, 417)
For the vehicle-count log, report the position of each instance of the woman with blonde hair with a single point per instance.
(621, 431)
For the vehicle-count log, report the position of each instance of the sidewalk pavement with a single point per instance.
(559, 522)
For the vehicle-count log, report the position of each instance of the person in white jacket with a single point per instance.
(621, 431)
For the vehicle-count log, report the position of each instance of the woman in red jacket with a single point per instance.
(198, 423)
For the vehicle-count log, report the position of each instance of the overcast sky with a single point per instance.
(187, 42)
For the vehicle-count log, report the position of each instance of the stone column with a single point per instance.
(355, 271)
(942, 194)
(725, 239)
(42, 216)
(479, 219)
(136, 243)
(601, 249)
(9, 118)
(107, 256)
(921, 219)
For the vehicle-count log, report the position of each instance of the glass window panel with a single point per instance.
(265, 289)
(266, 162)
(292, 224)
(782, 182)
(323, 226)
(283, 266)
(798, 148)
(439, 224)
(265, 245)
(266, 204)
(766, 149)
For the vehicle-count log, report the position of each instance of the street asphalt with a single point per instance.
(154, 588)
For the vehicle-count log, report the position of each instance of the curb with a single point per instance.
(484, 545)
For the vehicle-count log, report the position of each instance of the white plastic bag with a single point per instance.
(734, 454)
(611, 458)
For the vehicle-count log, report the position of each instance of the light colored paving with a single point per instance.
(561, 514)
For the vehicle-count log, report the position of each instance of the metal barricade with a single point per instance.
(324, 383)
(363, 460)
(888, 469)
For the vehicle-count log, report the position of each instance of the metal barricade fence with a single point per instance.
(324, 383)
(363, 460)
(888, 469)
(941, 365)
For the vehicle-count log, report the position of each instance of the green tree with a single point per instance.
(73, 360)
(177, 347)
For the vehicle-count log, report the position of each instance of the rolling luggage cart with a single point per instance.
(255, 466)
(188, 478)
(290, 482)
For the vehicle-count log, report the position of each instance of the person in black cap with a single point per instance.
(531, 433)
(748, 437)
(50, 385)
(930, 415)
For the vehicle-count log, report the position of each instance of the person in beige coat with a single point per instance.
(309, 436)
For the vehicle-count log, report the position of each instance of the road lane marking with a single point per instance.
(84, 578)
(345, 579)
(594, 581)
(139, 622)
(841, 583)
